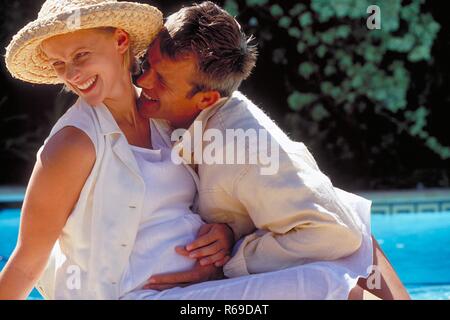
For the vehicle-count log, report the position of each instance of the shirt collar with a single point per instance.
(206, 114)
(203, 118)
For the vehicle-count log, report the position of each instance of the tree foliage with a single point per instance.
(352, 94)
(344, 80)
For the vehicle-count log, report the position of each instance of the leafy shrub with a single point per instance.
(348, 88)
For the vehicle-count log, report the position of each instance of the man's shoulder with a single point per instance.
(239, 112)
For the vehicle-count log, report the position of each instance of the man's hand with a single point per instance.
(182, 279)
(212, 246)
(212, 249)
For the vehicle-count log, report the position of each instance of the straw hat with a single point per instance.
(26, 61)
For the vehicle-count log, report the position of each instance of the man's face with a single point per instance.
(165, 87)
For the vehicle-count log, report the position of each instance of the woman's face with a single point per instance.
(90, 62)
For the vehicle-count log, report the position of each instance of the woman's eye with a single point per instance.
(81, 55)
(57, 64)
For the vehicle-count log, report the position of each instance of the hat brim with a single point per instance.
(26, 61)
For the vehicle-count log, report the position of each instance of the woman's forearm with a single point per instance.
(20, 274)
(55, 185)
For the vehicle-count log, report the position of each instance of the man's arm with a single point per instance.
(299, 217)
(184, 278)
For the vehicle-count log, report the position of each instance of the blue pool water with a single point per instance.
(418, 245)
(9, 225)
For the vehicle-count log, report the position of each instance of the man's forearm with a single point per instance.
(265, 252)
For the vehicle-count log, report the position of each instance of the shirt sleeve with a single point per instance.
(298, 214)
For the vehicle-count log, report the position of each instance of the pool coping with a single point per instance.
(383, 202)
(409, 201)
(12, 194)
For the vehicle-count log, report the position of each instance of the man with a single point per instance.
(282, 209)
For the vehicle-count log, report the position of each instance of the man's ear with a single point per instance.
(207, 98)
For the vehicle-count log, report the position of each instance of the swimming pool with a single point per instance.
(417, 244)
(9, 225)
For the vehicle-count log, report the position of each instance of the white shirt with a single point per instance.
(166, 221)
(93, 251)
(290, 218)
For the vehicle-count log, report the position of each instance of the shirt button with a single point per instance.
(132, 207)
(123, 245)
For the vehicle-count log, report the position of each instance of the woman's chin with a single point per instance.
(94, 96)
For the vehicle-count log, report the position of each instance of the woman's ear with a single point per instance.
(207, 98)
(122, 40)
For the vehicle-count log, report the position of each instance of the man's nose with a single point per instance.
(145, 81)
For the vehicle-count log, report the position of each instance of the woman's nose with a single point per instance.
(72, 73)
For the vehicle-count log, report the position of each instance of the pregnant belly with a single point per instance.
(154, 250)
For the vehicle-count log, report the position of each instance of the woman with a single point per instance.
(102, 185)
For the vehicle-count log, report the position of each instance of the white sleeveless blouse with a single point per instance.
(116, 215)
(166, 221)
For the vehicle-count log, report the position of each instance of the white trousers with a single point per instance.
(315, 281)
(325, 280)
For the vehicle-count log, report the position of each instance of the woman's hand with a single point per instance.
(212, 246)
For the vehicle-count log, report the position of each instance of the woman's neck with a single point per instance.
(123, 108)
(123, 105)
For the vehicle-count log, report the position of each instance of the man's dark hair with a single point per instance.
(214, 38)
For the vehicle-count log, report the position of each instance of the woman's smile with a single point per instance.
(87, 86)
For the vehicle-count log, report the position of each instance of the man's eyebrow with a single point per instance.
(159, 75)
(161, 78)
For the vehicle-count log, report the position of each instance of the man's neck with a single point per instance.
(187, 124)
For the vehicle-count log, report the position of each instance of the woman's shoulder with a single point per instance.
(69, 144)
(80, 111)
(80, 116)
